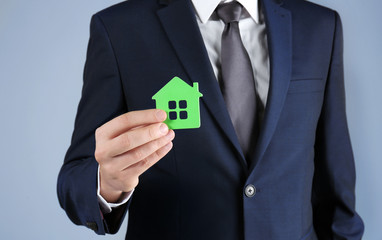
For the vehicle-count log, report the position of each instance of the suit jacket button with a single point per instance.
(250, 190)
(92, 225)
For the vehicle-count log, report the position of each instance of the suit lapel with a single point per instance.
(279, 33)
(179, 22)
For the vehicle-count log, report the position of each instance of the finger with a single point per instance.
(131, 120)
(138, 154)
(143, 165)
(135, 138)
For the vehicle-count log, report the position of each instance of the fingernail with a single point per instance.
(168, 146)
(170, 135)
(161, 115)
(163, 128)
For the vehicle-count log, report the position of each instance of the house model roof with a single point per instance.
(176, 88)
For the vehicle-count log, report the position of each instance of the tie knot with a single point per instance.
(229, 12)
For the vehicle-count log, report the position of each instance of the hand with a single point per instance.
(127, 146)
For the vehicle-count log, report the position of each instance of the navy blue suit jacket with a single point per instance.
(303, 167)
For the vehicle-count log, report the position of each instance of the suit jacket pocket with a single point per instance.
(308, 85)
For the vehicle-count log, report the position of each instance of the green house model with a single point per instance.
(181, 103)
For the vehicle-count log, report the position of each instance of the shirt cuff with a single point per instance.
(107, 207)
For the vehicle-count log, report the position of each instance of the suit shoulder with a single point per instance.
(127, 8)
(307, 7)
(310, 13)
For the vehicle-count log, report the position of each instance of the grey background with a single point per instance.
(42, 53)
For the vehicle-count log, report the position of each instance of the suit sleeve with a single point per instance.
(333, 196)
(102, 99)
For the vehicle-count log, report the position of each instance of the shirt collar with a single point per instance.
(205, 8)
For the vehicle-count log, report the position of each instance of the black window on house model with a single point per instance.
(177, 109)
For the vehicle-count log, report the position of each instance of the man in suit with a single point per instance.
(295, 180)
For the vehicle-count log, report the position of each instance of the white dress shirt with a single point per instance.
(253, 34)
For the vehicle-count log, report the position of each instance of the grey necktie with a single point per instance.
(238, 85)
